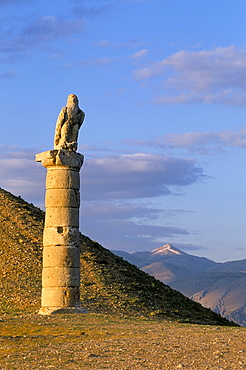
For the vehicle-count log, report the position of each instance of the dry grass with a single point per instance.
(95, 341)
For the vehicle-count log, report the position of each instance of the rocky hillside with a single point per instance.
(21, 227)
(108, 283)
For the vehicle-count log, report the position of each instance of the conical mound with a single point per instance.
(108, 283)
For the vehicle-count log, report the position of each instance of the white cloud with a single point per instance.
(139, 54)
(207, 76)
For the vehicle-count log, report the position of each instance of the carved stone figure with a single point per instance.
(68, 124)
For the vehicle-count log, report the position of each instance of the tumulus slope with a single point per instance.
(108, 283)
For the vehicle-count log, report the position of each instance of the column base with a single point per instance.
(61, 310)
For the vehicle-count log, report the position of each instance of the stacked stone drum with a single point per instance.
(61, 253)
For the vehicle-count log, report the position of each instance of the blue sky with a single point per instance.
(162, 83)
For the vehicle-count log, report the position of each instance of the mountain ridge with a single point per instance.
(219, 286)
(174, 261)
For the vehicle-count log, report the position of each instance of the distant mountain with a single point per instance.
(167, 262)
(231, 266)
(108, 283)
(223, 292)
(219, 286)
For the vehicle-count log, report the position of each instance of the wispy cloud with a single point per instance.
(202, 142)
(137, 176)
(25, 38)
(21, 175)
(118, 45)
(91, 10)
(99, 61)
(19, 2)
(9, 74)
(205, 139)
(127, 209)
(189, 247)
(49, 28)
(139, 54)
(207, 76)
(113, 226)
(133, 1)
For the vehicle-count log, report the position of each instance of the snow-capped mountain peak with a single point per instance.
(166, 249)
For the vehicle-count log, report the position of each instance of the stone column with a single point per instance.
(61, 252)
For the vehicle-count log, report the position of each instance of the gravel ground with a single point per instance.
(105, 342)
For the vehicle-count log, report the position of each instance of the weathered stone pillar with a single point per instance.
(61, 247)
(61, 252)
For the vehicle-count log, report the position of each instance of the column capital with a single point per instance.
(60, 157)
